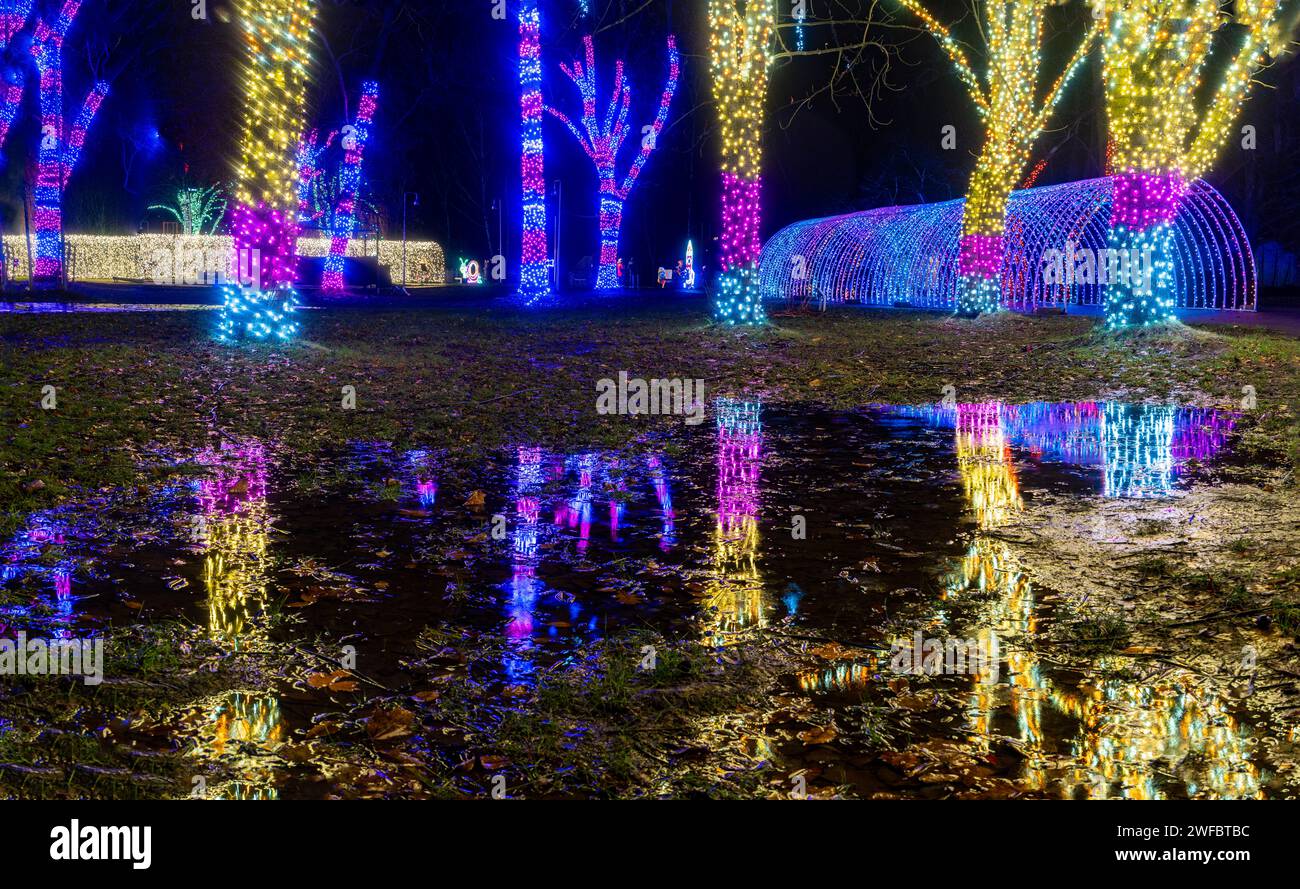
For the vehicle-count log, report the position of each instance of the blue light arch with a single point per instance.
(907, 255)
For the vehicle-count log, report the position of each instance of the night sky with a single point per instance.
(845, 132)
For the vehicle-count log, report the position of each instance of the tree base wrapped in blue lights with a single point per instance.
(1142, 295)
(738, 300)
(978, 295)
(260, 301)
(247, 313)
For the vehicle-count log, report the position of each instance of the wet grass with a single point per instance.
(463, 381)
(134, 388)
(118, 739)
(620, 720)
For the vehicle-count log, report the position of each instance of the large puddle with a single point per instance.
(871, 537)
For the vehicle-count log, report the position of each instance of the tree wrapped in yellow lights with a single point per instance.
(741, 34)
(1177, 73)
(1013, 115)
(260, 303)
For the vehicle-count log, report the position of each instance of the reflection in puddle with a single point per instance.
(235, 526)
(40, 552)
(735, 600)
(1141, 448)
(919, 494)
(1133, 738)
(243, 726)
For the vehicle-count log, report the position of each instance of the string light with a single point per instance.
(740, 51)
(602, 138)
(345, 215)
(197, 209)
(264, 223)
(137, 257)
(1013, 119)
(910, 255)
(1170, 112)
(13, 15)
(59, 147)
(534, 278)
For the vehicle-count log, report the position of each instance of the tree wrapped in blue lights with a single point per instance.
(601, 137)
(60, 145)
(13, 15)
(345, 214)
(534, 278)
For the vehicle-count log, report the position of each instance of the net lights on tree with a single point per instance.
(345, 214)
(1013, 117)
(1176, 75)
(740, 52)
(277, 46)
(534, 273)
(260, 302)
(264, 223)
(602, 136)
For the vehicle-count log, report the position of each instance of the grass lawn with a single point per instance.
(464, 381)
(137, 395)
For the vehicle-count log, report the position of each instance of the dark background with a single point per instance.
(846, 130)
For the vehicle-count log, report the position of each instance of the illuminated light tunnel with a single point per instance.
(907, 255)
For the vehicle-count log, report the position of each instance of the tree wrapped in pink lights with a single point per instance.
(60, 145)
(13, 15)
(1176, 73)
(602, 136)
(534, 276)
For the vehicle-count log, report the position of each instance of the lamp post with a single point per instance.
(415, 203)
(559, 209)
(499, 205)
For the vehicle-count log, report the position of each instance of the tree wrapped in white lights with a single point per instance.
(1014, 115)
(1177, 73)
(602, 136)
(740, 53)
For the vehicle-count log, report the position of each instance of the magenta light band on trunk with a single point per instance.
(1142, 200)
(741, 205)
(981, 255)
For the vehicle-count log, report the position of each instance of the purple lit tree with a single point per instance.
(13, 15)
(345, 213)
(60, 146)
(602, 137)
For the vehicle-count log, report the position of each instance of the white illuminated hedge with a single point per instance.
(182, 259)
